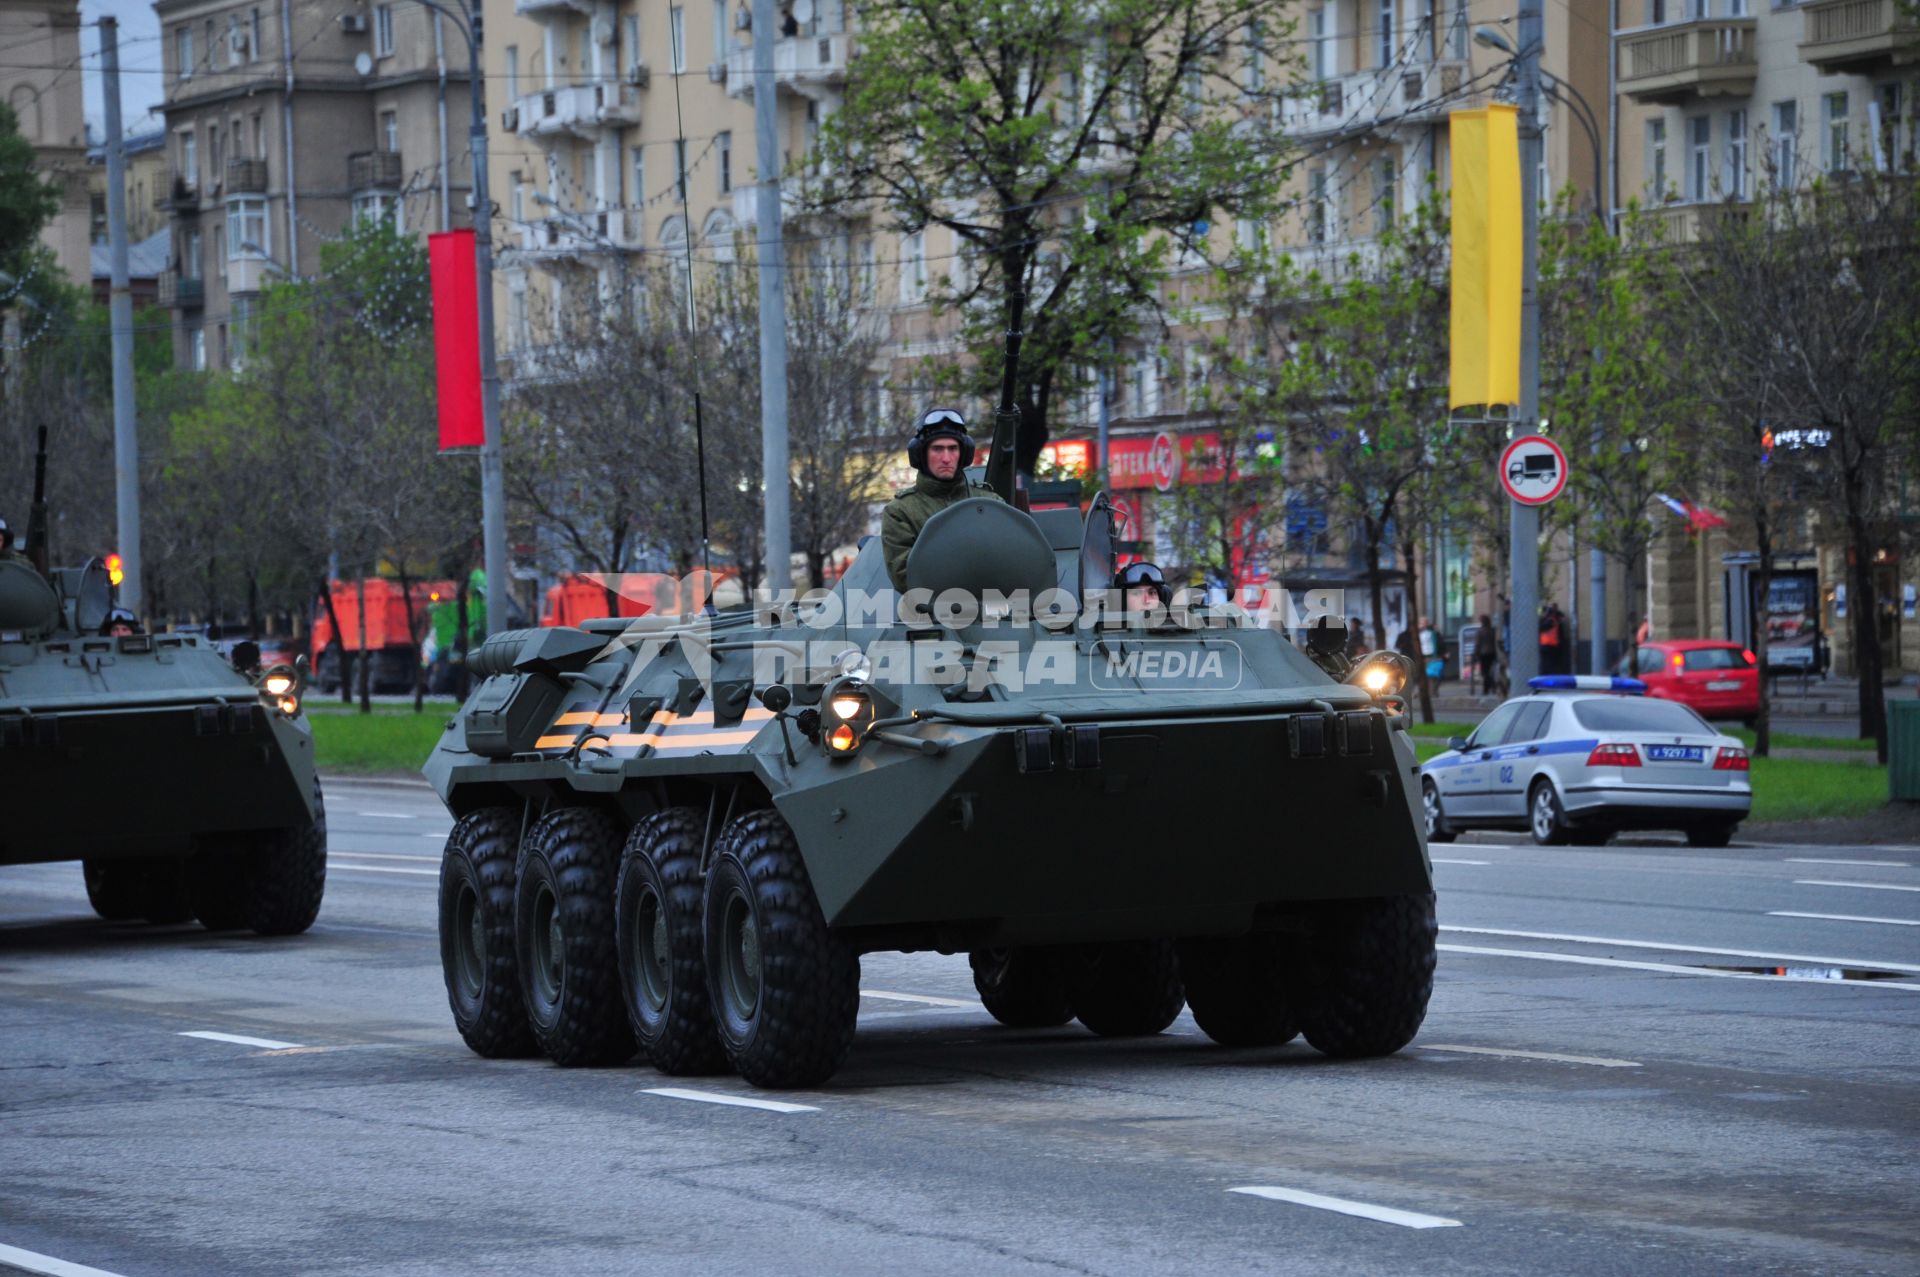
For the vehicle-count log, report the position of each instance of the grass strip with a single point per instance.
(391, 739)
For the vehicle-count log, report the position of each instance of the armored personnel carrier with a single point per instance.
(184, 785)
(678, 839)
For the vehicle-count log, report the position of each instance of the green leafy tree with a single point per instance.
(1073, 147)
(27, 200)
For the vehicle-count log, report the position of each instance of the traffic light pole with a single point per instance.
(1523, 523)
(126, 439)
(775, 462)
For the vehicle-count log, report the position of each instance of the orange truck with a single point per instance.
(392, 645)
(583, 596)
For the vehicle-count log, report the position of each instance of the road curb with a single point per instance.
(375, 780)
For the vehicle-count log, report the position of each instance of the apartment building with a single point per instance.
(628, 141)
(146, 156)
(40, 79)
(285, 122)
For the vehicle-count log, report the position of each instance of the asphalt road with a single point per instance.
(1592, 1093)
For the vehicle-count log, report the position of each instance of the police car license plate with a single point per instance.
(1675, 753)
(1724, 685)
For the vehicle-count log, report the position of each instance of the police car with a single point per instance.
(1584, 757)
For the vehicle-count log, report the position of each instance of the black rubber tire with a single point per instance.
(477, 957)
(217, 885)
(1367, 975)
(1240, 989)
(785, 986)
(563, 937)
(123, 890)
(1710, 835)
(1438, 827)
(1548, 828)
(659, 910)
(1023, 988)
(287, 875)
(1126, 988)
(169, 892)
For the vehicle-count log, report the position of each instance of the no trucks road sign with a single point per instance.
(1533, 470)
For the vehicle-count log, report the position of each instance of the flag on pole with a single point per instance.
(1484, 338)
(456, 338)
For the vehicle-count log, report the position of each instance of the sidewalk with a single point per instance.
(1792, 697)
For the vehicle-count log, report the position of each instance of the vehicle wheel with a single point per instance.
(563, 937)
(287, 875)
(1545, 818)
(1590, 837)
(1710, 836)
(113, 889)
(1127, 988)
(1367, 975)
(1238, 989)
(663, 965)
(1022, 988)
(217, 885)
(169, 893)
(122, 890)
(785, 986)
(477, 958)
(1438, 828)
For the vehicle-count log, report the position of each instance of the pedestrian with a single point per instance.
(1486, 653)
(1433, 651)
(1551, 634)
(1356, 640)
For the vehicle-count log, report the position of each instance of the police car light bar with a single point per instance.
(1585, 683)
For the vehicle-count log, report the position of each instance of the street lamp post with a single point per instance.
(493, 494)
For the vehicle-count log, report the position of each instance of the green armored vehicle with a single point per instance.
(677, 839)
(185, 786)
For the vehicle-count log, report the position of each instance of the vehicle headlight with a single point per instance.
(1381, 674)
(277, 683)
(848, 705)
(289, 705)
(849, 711)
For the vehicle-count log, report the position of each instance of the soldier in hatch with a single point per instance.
(941, 450)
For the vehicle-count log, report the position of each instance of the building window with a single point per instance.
(208, 52)
(1833, 109)
(183, 53)
(1889, 153)
(1657, 159)
(390, 131)
(1256, 68)
(723, 144)
(1736, 179)
(1317, 206)
(631, 53)
(247, 228)
(1457, 32)
(1320, 37)
(190, 159)
(219, 255)
(720, 39)
(190, 267)
(513, 72)
(259, 138)
(253, 35)
(1385, 51)
(382, 30)
(216, 153)
(869, 269)
(677, 38)
(517, 333)
(1786, 144)
(913, 267)
(1384, 193)
(639, 199)
(1657, 12)
(197, 348)
(1247, 234)
(378, 206)
(1700, 158)
(517, 198)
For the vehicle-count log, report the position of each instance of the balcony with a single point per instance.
(177, 195)
(251, 273)
(1671, 225)
(1710, 57)
(1417, 94)
(813, 66)
(246, 177)
(181, 292)
(548, 8)
(582, 234)
(583, 110)
(373, 171)
(1859, 35)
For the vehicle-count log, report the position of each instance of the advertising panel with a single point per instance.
(1792, 616)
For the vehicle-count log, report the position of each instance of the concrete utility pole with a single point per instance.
(775, 467)
(126, 440)
(1523, 526)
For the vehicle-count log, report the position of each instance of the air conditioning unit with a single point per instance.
(717, 73)
(353, 23)
(639, 75)
(510, 119)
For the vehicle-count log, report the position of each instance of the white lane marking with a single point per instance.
(386, 855)
(921, 998)
(1664, 967)
(1864, 886)
(14, 1257)
(1685, 948)
(388, 815)
(1340, 1205)
(1599, 1061)
(1816, 860)
(436, 837)
(1843, 917)
(734, 1101)
(1440, 861)
(264, 1043)
(336, 861)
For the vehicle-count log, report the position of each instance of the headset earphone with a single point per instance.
(935, 424)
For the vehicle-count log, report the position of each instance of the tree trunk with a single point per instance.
(1762, 588)
(364, 666)
(1407, 552)
(1374, 588)
(1865, 613)
(339, 641)
(414, 636)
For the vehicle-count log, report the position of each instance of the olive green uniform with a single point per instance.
(909, 511)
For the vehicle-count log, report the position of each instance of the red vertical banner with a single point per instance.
(456, 338)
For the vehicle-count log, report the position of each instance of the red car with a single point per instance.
(1712, 677)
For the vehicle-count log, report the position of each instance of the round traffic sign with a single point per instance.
(1533, 470)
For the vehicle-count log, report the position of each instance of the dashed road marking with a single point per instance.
(1442, 861)
(921, 998)
(732, 1101)
(1598, 1061)
(1864, 886)
(1684, 948)
(337, 861)
(386, 855)
(1844, 917)
(1341, 1206)
(267, 1044)
(14, 1257)
(1668, 968)
(1816, 860)
(388, 815)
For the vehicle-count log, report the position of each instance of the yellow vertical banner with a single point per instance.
(1484, 337)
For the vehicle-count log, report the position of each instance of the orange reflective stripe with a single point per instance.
(554, 742)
